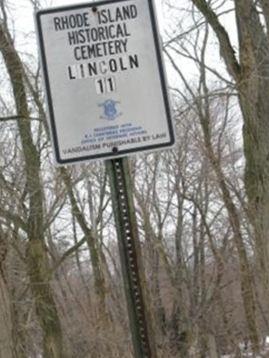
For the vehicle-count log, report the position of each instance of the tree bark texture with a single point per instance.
(98, 274)
(253, 88)
(37, 259)
(6, 338)
(6, 343)
(250, 74)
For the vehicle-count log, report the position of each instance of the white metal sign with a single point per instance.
(104, 78)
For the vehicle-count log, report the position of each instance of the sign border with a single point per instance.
(162, 77)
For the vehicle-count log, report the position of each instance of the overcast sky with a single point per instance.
(23, 20)
(23, 15)
(176, 20)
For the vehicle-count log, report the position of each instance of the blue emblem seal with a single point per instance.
(110, 110)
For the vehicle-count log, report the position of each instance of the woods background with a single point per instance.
(202, 208)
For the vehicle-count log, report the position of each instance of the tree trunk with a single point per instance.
(37, 259)
(212, 347)
(6, 338)
(98, 275)
(251, 76)
(246, 278)
(181, 332)
(38, 271)
(6, 343)
(253, 88)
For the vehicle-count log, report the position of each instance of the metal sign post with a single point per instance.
(128, 241)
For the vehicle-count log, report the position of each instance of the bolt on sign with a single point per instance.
(104, 79)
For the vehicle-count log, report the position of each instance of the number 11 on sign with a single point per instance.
(105, 85)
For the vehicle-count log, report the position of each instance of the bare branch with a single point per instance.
(68, 253)
(226, 48)
(16, 117)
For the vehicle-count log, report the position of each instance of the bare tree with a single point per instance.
(37, 259)
(249, 70)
